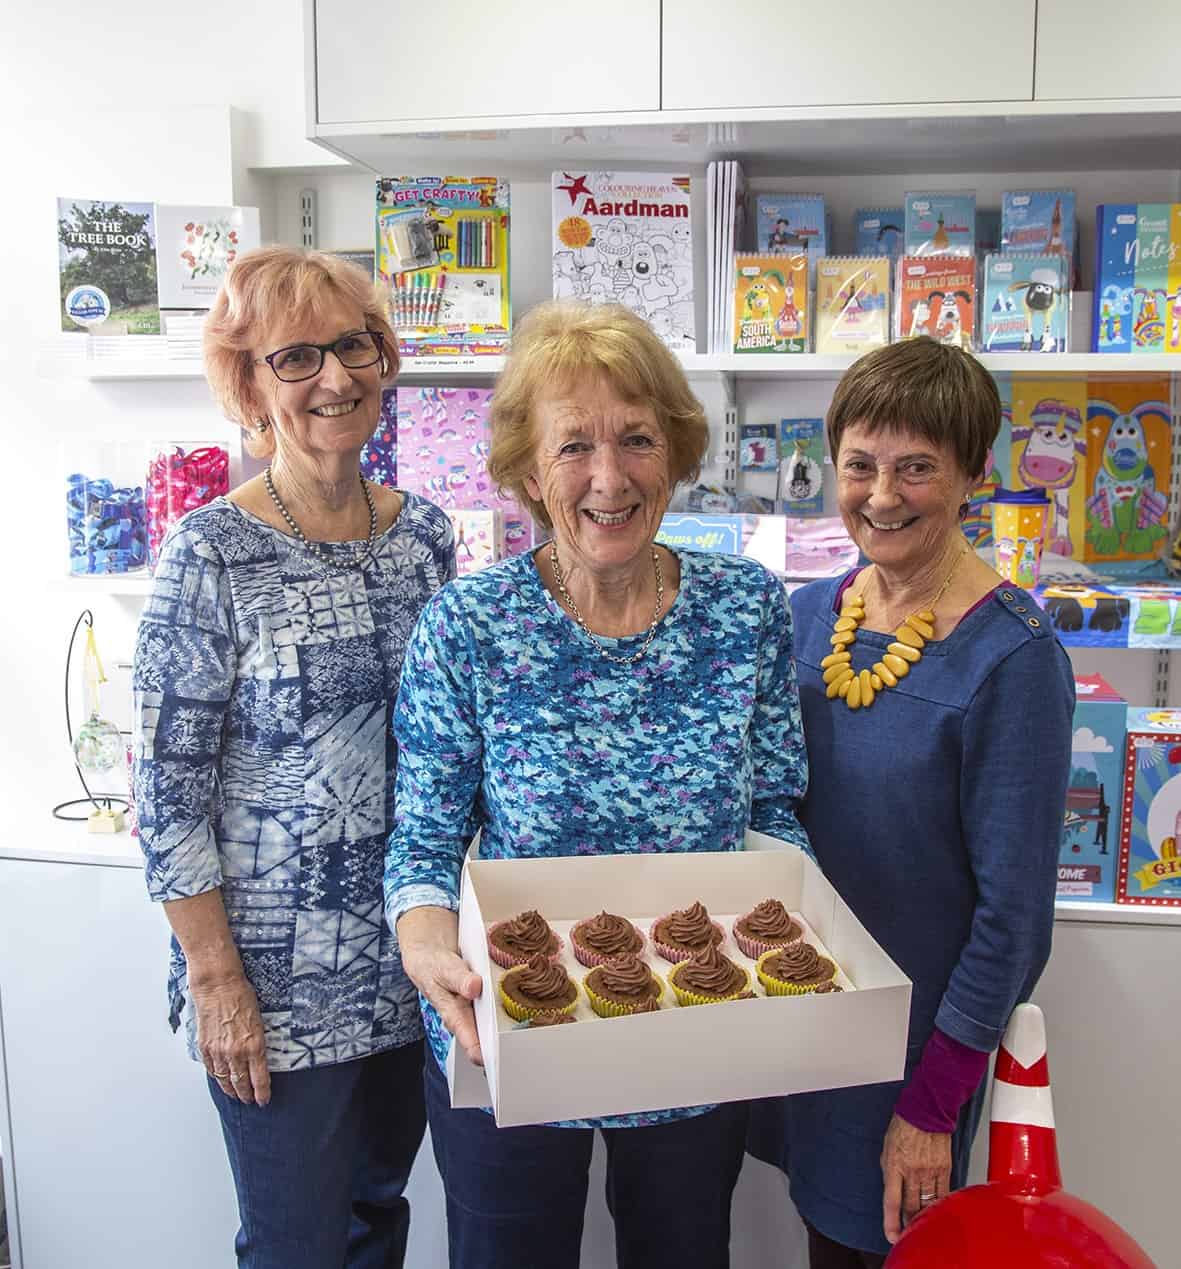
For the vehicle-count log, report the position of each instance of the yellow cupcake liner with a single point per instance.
(610, 1008)
(685, 997)
(522, 1013)
(777, 986)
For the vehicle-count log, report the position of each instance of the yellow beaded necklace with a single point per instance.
(856, 689)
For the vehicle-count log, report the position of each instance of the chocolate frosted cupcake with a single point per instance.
(795, 970)
(680, 934)
(706, 978)
(600, 939)
(765, 926)
(539, 986)
(621, 986)
(514, 942)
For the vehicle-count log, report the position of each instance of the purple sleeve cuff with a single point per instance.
(946, 1076)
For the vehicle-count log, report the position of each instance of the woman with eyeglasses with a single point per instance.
(267, 661)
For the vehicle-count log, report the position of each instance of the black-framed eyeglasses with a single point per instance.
(356, 350)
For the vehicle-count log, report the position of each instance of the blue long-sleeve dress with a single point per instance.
(264, 686)
(937, 815)
(510, 720)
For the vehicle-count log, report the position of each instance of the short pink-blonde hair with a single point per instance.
(563, 342)
(263, 288)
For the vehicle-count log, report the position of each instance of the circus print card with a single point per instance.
(1150, 837)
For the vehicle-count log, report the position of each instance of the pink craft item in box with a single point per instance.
(443, 455)
(479, 539)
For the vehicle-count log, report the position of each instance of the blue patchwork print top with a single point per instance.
(264, 764)
(509, 720)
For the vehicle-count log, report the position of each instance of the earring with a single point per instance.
(261, 425)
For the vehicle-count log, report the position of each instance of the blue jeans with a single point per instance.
(516, 1196)
(320, 1170)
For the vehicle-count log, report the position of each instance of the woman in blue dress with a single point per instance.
(937, 709)
(267, 660)
(602, 694)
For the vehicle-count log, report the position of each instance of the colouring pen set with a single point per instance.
(417, 299)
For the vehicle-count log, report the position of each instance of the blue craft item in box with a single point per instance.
(106, 526)
(379, 454)
(940, 224)
(1090, 833)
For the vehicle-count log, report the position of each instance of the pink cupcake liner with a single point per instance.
(754, 948)
(677, 954)
(592, 959)
(506, 960)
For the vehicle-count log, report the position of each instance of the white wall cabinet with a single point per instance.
(752, 54)
(403, 60)
(1140, 57)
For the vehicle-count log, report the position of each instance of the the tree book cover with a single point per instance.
(107, 267)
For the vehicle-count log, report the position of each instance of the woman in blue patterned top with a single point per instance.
(601, 695)
(267, 659)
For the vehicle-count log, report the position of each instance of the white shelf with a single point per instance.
(823, 366)
(762, 366)
(1007, 136)
(1116, 913)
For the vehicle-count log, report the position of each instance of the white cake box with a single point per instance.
(678, 1056)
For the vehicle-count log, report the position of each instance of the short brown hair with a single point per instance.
(262, 288)
(562, 342)
(919, 385)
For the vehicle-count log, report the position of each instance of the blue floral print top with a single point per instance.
(264, 760)
(509, 720)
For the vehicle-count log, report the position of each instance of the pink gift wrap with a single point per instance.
(443, 453)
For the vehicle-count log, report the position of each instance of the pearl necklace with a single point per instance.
(560, 582)
(351, 559)
(856, 689)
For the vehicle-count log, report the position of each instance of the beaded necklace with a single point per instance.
(858, 689)
(351, 559)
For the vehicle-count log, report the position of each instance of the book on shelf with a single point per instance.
(1026, 304)
(852, 303)
(727, 229)
(940, 224)
(107, 267)
(1041, 223)
(792, 223)
(195, 247)
(627, 238)
(443, 258)
(878, 231)
(1137, 300)
(936, 296)
(771, 312)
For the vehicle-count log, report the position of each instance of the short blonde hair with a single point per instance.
(563, 342)
(264, 287)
